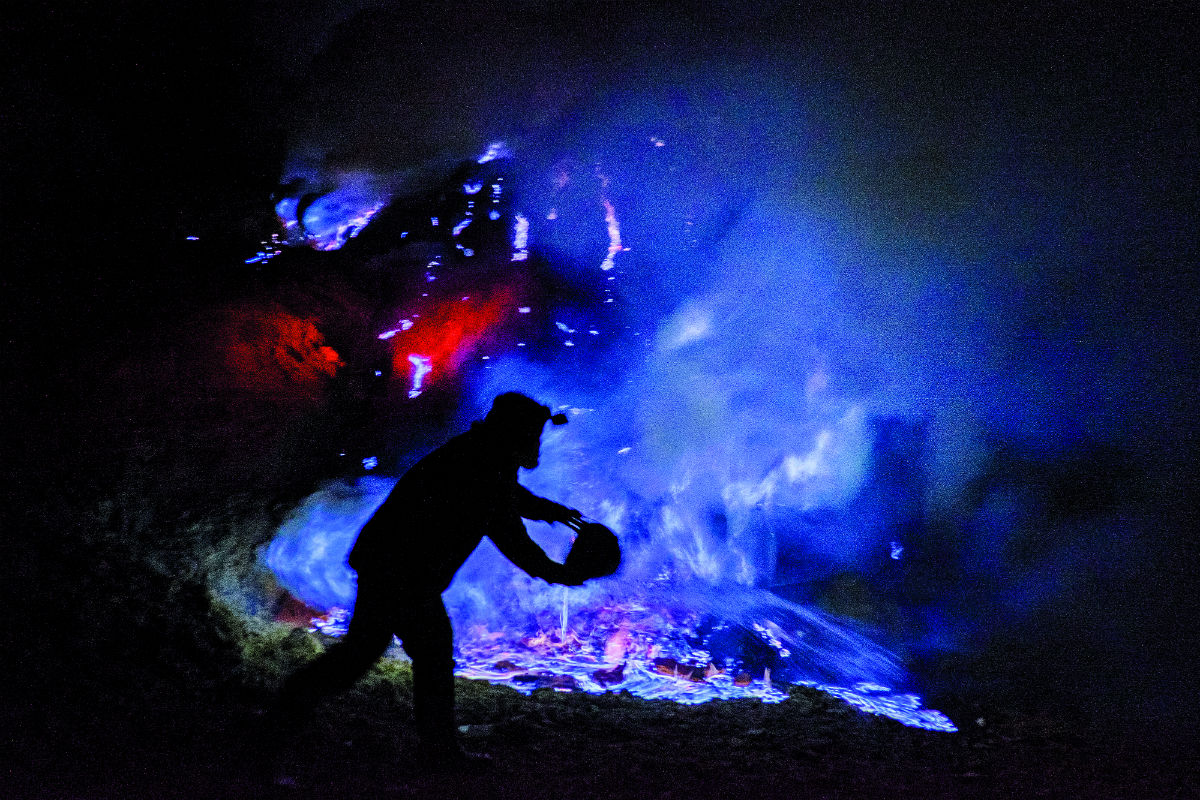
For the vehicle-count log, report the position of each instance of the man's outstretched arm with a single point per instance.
(530, 506)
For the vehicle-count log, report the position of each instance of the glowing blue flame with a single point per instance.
(308, 554)
(495, 150)
(336, 215)
(725, 641)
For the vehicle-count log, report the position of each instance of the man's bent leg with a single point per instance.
(338, 668)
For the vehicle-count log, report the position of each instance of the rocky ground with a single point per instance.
(554, 745)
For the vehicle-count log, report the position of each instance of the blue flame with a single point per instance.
(340, 206)
(308, 554)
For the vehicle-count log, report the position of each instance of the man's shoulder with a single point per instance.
(464, 461)
(465, 447)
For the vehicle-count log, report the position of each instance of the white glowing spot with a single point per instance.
(568, 343)
(285, 210)
(370, 462)
(524, 310)
(614, 227)
(388, 334)
(422, 366)
(466, 298)
(624, 450)
(433, 221)
(193, 238)
(486, 358)
(520, 344)
(562, 326)
(405, 324)
(493, 215)
(553, 214)
(867, 686)
(657, 142)
(614, 236)
(468, 252)
(378, 373)
(430, 277)
(520, 238)
(689, 325)
(347, 229)
(460, 227)
(495, 150)
(594, 332)
(798, 468)
(472, 188)
(897, 550)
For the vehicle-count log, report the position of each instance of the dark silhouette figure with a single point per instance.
(408, 552)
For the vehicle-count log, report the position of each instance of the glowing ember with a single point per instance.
(656, 654)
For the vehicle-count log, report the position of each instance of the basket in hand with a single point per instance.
(596, 552)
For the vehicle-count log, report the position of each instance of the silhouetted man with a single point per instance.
(408, 552)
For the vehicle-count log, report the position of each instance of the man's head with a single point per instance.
(516, 421)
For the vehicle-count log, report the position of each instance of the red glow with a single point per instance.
(294, 612)
(452, 331)
(272, 351)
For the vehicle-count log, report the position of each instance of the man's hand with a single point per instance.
(569, 517)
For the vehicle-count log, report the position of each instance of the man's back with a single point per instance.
(437, 513)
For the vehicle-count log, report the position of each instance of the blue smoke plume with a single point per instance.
(869, 347)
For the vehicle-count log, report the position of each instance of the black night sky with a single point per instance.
(998, 209)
